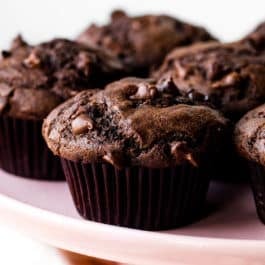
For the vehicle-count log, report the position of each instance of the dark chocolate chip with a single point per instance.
(5, 90)
(6, 54)
(115, 158)
(32, 60)
(81, 124)
(144, 92)
(181, 152)
(3, 103)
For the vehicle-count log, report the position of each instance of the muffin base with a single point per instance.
(257, 176)
(23, 151)
(142, 198)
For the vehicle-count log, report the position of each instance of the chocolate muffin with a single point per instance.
(134, 155)
(141, 42)
(249, 141)
(257, 37)
(33, 81)
(229, 76)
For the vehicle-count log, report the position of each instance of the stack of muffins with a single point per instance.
(138, 115)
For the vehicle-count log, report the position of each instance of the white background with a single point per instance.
(41, 20)
(19, 250)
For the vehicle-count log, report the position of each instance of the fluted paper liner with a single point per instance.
(23, 151)
(142, 198)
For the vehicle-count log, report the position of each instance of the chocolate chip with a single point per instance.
(3, 103)
(167, 85)
(178, 146)
(6, 54)
(81, 124)
(114, 158)
(83, 62)
(181, 153)
(54, 134)
(144, 92)
(32, 60)
(117, 14)
(5, 90)
(229, 80)
(261, 114)
(191, 159)
(196, 96)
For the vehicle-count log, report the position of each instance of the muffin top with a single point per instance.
(230, 76)
(250, 135)
(142, 42)
(35, 79)
(133, 122)
(257, 37)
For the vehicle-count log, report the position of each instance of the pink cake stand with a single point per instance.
(230, 234)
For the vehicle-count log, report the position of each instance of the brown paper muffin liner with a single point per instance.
(257, 177)
(23, 151)
(137, 197)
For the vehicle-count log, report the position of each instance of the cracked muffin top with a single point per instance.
(35, 79)
(230, 76)
(134, 122)
(250, 135)
(141, 42)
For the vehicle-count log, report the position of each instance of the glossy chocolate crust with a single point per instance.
(250, 135)
(142, 42)
(133, 122)
(35, 79)
(230, 76)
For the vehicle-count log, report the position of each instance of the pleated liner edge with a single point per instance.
(23, 151)
(137, 197)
